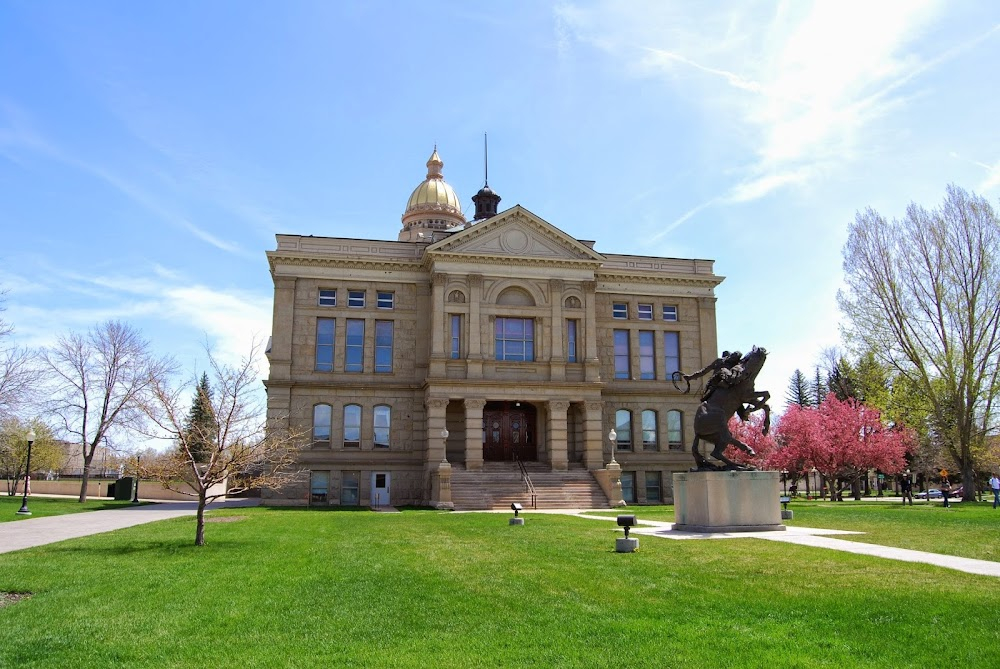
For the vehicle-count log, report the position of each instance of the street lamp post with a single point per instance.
(23, 511)
(135, 496)
(613, 438)
(444, 439)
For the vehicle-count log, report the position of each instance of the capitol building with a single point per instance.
(471, 363)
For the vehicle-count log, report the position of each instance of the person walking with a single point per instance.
(995, 487)
(906, 488)
(946, 491)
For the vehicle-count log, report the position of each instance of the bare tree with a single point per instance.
(245, 450)
(924, 296)
(101, 380)
(19, 375)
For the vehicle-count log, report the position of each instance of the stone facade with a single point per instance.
(399, 339)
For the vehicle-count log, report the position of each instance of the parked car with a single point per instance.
(932, 493)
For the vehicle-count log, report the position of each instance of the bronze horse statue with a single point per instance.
(731, 393)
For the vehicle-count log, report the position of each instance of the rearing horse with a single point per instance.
(711, 420)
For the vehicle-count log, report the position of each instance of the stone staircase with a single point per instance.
(499, 484)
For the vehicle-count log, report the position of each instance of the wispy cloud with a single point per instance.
(19, 134)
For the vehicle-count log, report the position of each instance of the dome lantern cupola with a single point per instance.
(433, 206)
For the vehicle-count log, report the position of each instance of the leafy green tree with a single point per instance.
(923, 294)
(798, 390)
(46, 451)
(201, 428)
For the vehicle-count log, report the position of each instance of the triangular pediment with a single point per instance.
(516, 233)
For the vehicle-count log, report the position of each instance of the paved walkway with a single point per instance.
(817, 538)
(19, 534)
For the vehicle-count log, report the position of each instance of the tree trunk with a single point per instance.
(84, 479)
(199, 535)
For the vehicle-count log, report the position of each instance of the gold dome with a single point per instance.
(434, 195)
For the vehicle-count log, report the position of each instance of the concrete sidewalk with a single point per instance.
(20, 534)
(818, 538)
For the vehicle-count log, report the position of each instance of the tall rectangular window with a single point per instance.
(653, 493)
(645, 312)
(675, 431)
(327, 298)
(672, 352)
(382, 422)
(623, 428)
(322, 417)
(349, 488)
(515, 339)
(319, 487)
(669, 312)
(456, 336)
(628, 487)
(619, 310)
(647, 355)
(354, 346)
(385, 300)
(383, 347)
(324, 344)
(649, 430)
(352, 426)
(623, 356)
(355, 298)
(571, 327)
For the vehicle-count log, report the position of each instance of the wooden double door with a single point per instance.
(509, 431)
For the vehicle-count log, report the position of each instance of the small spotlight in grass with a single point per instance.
(516, 520)
(626, 545)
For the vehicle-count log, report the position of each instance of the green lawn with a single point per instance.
(51, 506)
(297, 588)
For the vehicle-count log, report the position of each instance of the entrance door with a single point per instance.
(509, 430)
(380, 489)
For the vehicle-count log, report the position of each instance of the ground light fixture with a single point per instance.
(516, 520)
(23, 511)
(626, 544)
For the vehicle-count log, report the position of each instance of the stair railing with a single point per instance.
(529, 487)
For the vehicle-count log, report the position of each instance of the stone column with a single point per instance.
(474, 359)
(557, 359)
(591, 360)
(593, 435)
(558, 430)
(436, 465)
(439, 325)
(474, 433)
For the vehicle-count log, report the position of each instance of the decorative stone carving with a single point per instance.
(456, 296)
(558, 406)
(436, 402)
(439, 278)
(474, 403)
(573, 302)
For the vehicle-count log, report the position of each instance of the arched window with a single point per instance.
(382, 419)
(675, 430)
(352, 426)
(322, 415)
(623, 426)
(649, 442)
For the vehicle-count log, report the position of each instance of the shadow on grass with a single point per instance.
(343, 509)
(150, 548)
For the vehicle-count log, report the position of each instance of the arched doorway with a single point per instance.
(509, 431)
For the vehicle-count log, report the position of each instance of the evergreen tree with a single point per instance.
(798, 390)
(819, 388)
(201, 428)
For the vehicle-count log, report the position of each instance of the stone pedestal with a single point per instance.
(516, 521)
(623, 545)
(727, 501)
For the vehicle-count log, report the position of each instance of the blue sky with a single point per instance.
(149, 151)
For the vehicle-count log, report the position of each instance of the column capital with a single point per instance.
(559, 405)
(556, 284)
(594, 406)
(439, 278)
(476, 280)
(474, 403)
(589, 286)
(436, 402)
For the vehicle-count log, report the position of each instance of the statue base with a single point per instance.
(729, 501)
